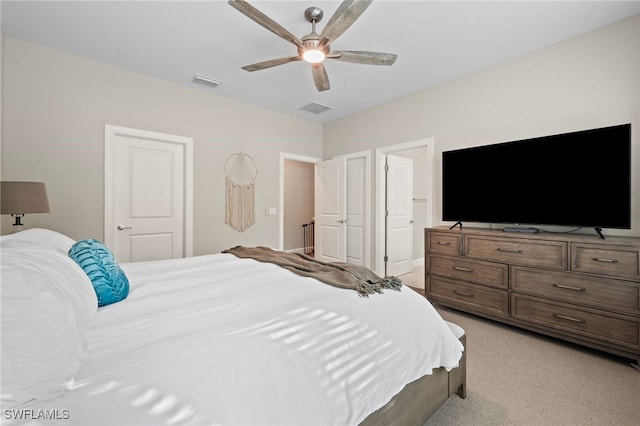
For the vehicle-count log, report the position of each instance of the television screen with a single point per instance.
(578, 179)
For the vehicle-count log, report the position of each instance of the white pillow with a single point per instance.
(44, 237)
(48, 303)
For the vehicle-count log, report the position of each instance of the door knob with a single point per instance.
(411, 221)
(342, 221)
(123, 228)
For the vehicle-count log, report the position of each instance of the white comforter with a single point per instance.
(221, 340)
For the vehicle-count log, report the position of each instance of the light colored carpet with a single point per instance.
(515, 377)
(415, 279)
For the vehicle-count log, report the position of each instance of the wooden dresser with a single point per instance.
(575, 287)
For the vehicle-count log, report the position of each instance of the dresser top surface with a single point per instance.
(542, 235)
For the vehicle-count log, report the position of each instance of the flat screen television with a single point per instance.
(578, 179)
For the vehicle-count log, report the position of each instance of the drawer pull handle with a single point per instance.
(444, 243)
(564, 317)
(569, 287)
(460, 268)
(509, 250)
(463, 293)
(604, 259)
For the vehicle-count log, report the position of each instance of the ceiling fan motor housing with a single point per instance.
(312, 43)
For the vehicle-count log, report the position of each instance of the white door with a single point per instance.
(399, 229)
(341, 209)
(147, 201)
(330, 227)
(356, 198)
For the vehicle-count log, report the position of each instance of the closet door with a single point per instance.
(356, 211)
(342, 218)
(331, 218)
(399, 216)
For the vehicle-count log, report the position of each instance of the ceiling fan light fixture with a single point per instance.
(311, 51)
(314, 56)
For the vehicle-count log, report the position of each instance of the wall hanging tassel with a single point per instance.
(240, 174)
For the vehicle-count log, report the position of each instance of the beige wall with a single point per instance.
(298, 201)
(589, 81)
(55, 106)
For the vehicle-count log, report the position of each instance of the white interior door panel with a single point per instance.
(330, 205)
(147, 195)
(399, 181)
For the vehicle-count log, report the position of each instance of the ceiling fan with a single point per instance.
(314, 48)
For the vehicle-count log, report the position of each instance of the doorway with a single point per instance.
(297, 189)
(421, 151)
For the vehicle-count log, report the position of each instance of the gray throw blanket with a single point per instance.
(337, 274)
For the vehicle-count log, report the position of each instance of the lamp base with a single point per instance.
(17, 225)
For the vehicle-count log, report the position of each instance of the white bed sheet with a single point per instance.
(221, 340)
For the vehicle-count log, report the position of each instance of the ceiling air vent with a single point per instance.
(206, 81)
(315, 108)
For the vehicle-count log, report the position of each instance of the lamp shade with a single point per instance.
(18, 198)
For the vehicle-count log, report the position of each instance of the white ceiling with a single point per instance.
(435, 41)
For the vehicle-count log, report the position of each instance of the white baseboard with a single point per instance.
(296, 250)
(417, 263)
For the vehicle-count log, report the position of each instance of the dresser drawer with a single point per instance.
(488, 273)
(444, 243)
(593, 324)
(587, 290)
(548, 254)
(618, 261)
(471, 296)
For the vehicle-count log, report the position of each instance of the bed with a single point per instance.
(214, 339)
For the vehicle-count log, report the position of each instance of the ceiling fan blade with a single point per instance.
(262, 19)
(271, 63)
(360, 57)
(320, 77)
(342, 19)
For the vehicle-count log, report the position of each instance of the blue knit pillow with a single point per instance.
(109, 281)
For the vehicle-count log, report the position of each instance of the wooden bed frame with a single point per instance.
(419, 400)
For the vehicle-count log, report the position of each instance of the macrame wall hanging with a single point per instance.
(240, 176)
